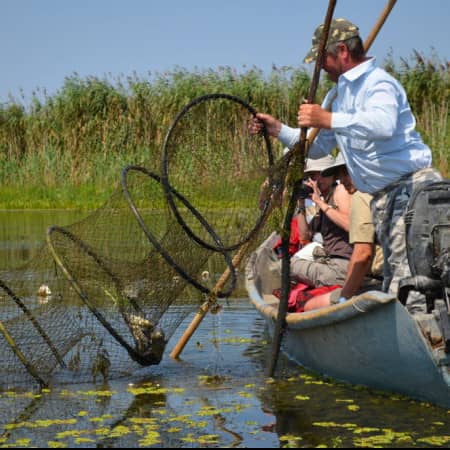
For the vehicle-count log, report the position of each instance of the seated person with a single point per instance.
(328, 266)
(367, 259)
(330, 261)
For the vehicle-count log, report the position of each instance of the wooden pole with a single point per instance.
(204, 308)
(380, 22)
(296, 170)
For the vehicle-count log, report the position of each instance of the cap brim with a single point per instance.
(311, 56)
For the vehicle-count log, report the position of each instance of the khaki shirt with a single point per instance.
(362, 228)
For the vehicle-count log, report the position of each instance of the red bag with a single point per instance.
(295, 243)
(301, 293)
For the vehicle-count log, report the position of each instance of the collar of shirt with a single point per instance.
(357, 71)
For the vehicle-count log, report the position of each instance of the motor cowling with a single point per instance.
(428, 231)
(427, 222)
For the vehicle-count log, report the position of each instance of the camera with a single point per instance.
(303, 190)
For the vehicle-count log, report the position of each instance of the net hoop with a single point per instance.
(154, 241)
(170, 192)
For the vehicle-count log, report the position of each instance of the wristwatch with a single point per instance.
(341, 300)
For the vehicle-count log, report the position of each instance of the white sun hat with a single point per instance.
(319, 165)
(340, 161)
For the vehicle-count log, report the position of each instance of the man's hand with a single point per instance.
(312, 115)
(273, 126)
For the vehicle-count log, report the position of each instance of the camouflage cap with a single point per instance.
(340, 30)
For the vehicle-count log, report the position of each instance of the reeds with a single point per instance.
(427, 83)
(92, 127)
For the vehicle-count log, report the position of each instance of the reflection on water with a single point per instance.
(216, 395)
(23, 232)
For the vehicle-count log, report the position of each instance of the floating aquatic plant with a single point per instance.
(353, 407)
(435, 440)
(302, 397)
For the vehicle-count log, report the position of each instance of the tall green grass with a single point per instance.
(68, 149)
(427, 83)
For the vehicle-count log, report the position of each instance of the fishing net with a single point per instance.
(104, 295)
(211, 158)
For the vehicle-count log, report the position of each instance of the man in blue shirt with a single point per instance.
(371, 122)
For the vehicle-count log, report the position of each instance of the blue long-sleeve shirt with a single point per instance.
(373, 126)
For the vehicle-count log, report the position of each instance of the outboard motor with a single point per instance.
(427, 223)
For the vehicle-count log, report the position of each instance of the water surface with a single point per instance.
(216, 395)
(23, 232)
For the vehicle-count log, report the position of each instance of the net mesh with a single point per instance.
(104, 295)
(211, 158)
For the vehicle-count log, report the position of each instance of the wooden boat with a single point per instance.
(370, 340)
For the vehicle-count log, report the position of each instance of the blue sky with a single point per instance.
(44, 41)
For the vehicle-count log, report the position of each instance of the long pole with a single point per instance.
(380, 22)
(205, 307)
(297, 169)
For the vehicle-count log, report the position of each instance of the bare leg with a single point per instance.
(319, 301)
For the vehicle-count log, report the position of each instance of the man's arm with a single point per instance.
(377, 120)
(322, 145)
(358, 268)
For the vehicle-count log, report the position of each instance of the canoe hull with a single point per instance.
(370, 340)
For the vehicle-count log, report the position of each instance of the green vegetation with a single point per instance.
(68, 150)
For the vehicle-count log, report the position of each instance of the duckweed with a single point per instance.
(96, 393)
(302, 397)
(353, 407)
(290, 437)
(56, 444)
(334, 425)
(435, 440)
(245, 394)
(154, 390)
(40, 423)
(151, 438)
(83, 440)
